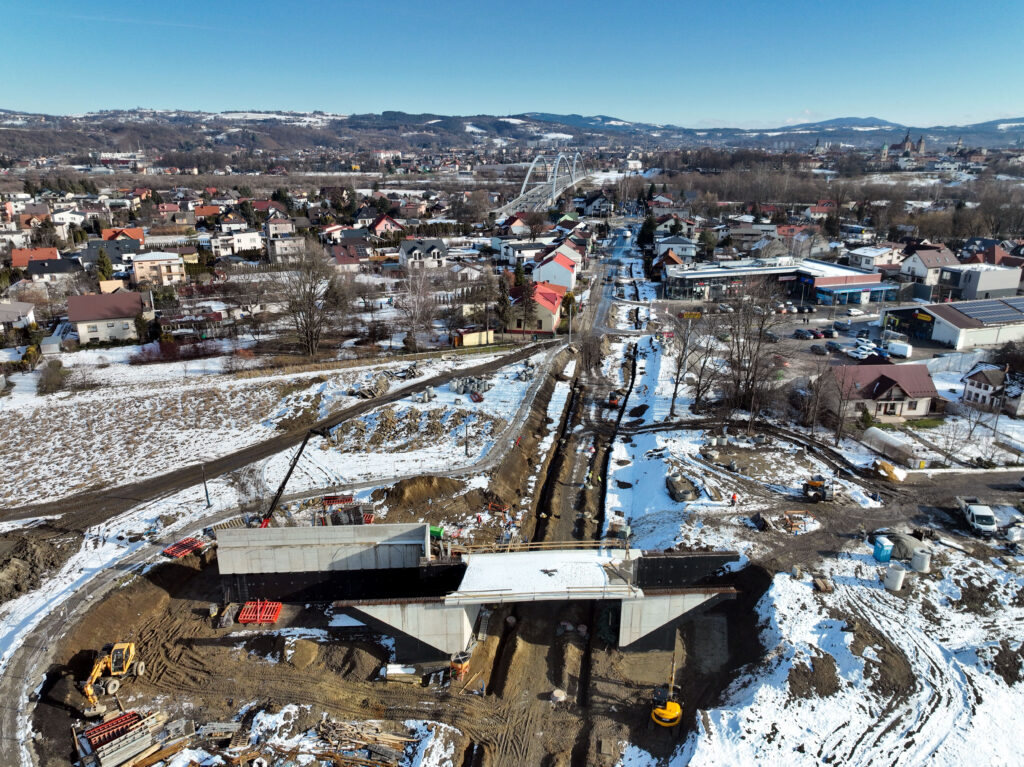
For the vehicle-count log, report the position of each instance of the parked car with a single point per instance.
(758, 310)
(815, 332)
(819, 350)
(834, 346)
(842, 325)
(854, 313)
(858, 353)
(770, 337)
(829, 333)
(803, 334)
(780, 361)
(725, 308)
(863, 333)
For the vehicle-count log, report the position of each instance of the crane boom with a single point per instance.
(265, 519)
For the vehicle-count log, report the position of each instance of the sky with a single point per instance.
(693, 63)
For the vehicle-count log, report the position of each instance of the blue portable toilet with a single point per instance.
(883, 549)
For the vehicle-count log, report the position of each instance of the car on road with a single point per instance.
(834, 346)
(758, 310)
(803, 334)
(863, 333)
(858, 353)
(725, 308)
(854, 313)
(841, 325)
(819, 350)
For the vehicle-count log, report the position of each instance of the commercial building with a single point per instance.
(809, 279)
(963, 324)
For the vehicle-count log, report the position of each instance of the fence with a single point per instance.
(957, 362)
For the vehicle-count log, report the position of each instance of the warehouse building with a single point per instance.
(961, 324)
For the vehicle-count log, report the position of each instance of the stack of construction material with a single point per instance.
(349, 737)
(126, 739)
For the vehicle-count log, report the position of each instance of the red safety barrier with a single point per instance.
(260, 612)
(183, 547)
(102, 734)
(368, 519)
(476, 396)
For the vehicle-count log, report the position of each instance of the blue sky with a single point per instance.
(688, 62)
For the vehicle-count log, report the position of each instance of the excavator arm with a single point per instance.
(101, 665)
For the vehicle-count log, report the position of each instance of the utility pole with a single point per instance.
(205, 488)
(467, 435)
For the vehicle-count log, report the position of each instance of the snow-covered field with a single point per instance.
(143, 420)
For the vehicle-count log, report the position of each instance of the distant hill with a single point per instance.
(25, 135)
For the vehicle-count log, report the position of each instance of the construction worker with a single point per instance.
(732, 501)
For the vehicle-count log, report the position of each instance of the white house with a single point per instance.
(683, 247)
(870, 258)
(422, 254)
(924, 265)
(16, 314)
(556, 269)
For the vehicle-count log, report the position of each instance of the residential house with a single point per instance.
(120, 253)
(285, 248)
(984, 386)
(384, 224)
(558, 270)
(548, 299)
(923, 262)
(128, 233)
(596, 203)
(16, 314)
(103, 318)
(20, 257)
(204, 212)
(279, 227)
(684, 247)
(468, 272)
(425, 253)
(870, 258)
(885, 391)
(822, 210)
(269, 206)
(233, 243)
(53, 272)
(233, 221)
(365, 216)
(69, 217)
(158, 269)
(345, 259)
(975, 281)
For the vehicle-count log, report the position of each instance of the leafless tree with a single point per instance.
(417, 304)
(305, 290)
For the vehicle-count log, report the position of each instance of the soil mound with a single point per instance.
(304, 652)
(418, 490)
(30, 554)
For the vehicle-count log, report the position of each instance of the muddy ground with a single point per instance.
(503, 707)
(27, 555)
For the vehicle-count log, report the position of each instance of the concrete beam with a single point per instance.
(645, 614)
(444, 627)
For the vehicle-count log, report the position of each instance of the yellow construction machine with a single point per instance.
(113, 662)
(666, 710)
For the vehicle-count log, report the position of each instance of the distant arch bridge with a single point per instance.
(546, 180)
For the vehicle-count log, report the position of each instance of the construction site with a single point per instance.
(597, 579)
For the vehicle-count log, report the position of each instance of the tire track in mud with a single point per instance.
(943, 699)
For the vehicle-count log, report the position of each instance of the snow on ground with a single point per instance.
(158, 418)
(952, 706)
(410, 437)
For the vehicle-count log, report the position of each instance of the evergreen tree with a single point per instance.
(646, 235)
(520, 275)
(104, 268)
(527, 304)
(504, 304)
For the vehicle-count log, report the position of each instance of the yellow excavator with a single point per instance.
(666, 710)
(112, 663)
